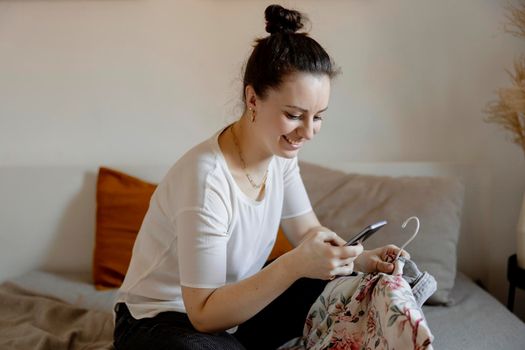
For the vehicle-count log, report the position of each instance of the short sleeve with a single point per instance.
(296, 201)
(202, 238)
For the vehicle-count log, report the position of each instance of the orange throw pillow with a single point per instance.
(122, 203)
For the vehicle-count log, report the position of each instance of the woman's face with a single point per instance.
(291, 115)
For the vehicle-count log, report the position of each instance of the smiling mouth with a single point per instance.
(293, 143)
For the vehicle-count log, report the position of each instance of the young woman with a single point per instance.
(197, 278)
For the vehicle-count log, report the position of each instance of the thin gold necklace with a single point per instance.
(243, 163)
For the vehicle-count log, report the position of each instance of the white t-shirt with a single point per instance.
(202, 231)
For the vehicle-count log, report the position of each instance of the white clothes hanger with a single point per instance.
(413, 236)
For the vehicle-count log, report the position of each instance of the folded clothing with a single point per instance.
(423, 284)
(374, 310)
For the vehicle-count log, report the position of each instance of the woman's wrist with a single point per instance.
(288, 262)
(360, 262)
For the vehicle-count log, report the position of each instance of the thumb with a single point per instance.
(332, 238)
(386, 267)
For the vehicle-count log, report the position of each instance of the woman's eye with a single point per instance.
(293, 117)
(318, 117)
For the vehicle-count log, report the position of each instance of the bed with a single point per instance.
(48, 220)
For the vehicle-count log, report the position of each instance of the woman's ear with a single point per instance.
(250, 97)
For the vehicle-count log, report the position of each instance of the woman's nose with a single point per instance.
(307, 131)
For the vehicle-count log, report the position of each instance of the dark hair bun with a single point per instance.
(279, 19)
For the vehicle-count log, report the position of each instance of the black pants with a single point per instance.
(282, 320)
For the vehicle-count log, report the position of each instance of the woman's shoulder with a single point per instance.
(285, 164)
(188, 180)
(203, 154)
(200, 165)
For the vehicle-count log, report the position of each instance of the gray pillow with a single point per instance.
(346, 203)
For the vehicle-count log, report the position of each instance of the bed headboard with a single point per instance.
(47, 213)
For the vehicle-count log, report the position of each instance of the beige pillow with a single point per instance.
(346, 203)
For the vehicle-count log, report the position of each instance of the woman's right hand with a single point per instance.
(322, 254)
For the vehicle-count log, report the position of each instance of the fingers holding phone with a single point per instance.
(343, 257)
(323, 255)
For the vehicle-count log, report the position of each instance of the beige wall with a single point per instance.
(131, 81)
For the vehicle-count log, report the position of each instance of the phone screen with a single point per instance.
(366, 233)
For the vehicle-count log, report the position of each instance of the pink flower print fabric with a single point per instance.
(368, 311)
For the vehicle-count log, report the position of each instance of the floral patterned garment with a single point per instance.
(367, 311)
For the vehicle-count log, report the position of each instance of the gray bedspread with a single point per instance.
(475, 321)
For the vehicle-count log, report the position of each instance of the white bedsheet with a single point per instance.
(73, 288)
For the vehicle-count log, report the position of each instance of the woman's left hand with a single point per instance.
(378, 260)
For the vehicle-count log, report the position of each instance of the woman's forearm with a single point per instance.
(234, 304)
(320, 254)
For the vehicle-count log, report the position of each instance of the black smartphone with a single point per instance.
(366, 233)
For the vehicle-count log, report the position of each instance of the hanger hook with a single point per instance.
(413, 236)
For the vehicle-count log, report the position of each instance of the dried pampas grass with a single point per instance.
(516, 19)
(509, 110)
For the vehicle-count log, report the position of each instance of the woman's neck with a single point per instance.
(255, 156)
